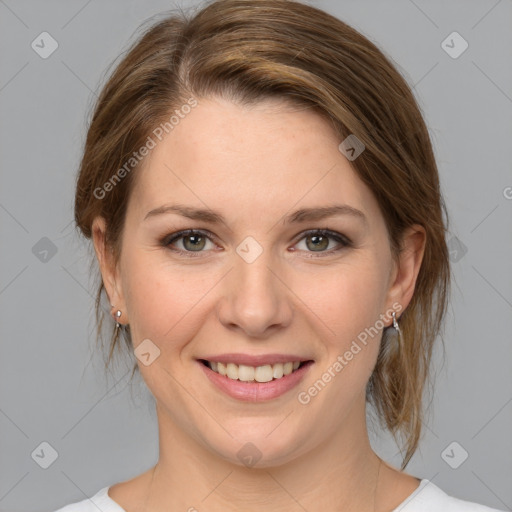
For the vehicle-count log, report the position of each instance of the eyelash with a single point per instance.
(338, 237)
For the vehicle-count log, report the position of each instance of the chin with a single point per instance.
(257, 449)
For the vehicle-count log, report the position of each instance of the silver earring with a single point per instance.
(118, 314)
(395, 323)
(399, 340)
(116, 317)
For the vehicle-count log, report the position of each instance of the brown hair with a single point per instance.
(249, 50)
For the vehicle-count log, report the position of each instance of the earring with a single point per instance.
(116, 317)
(118, 314)
(398, 332)
(395, 323)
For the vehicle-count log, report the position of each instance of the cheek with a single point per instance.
(163, 300)
(348, 304)
(345, 302)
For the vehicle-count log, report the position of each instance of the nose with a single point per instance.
(255, 297)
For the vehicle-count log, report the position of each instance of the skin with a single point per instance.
(255, 165)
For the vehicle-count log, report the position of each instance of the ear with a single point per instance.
(108, 267)
(403, 276)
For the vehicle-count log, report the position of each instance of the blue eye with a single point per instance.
(194, 241)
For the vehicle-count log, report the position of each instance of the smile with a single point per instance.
(264, 373)
(255, 383)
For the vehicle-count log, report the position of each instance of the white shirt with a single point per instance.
(426, 498)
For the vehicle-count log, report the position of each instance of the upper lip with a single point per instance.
(255, 360)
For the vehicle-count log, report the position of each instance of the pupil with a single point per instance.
(321, 244)
(196, 243)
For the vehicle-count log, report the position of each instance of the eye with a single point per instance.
(317, 240)
(194, 241)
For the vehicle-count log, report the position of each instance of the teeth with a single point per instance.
(264, 373)
(232, 371)
(246, 373)
(221, 368)
(278, 371)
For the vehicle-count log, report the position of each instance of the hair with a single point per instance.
(251, 50)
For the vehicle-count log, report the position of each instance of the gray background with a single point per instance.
(52, 388)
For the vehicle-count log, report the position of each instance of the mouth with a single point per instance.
(262, 374)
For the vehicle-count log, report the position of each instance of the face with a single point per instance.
(262, 282)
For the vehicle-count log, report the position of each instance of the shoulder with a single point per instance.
(430, 498)
(100, 501)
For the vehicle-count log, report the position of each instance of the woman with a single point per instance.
(264, 203)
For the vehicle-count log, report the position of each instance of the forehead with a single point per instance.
(259, 160)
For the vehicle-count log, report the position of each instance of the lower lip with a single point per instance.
(256, 391)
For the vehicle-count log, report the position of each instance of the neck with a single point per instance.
(343, 471)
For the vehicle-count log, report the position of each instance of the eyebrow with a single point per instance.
(302, 215)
